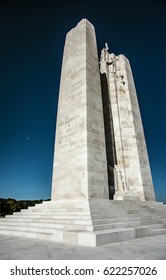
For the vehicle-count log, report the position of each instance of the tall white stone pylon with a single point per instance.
(80, 168)
(126, 149)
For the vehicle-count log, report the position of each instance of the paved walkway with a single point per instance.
(17, 248)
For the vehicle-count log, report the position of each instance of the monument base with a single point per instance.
(87, 222)
(127, 195)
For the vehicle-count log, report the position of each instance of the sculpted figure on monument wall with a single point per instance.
(121, 185)
(112, 63)
(120, 81)
(108, 58)
(105, 54)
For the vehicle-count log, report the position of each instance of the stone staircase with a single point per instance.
(88, 223)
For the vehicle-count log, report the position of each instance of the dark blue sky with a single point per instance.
(32, 40)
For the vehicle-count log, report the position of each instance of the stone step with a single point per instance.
(45, 236)
(156, 206)
(115, 235)
(103, 221)
(57, 217)
(52, 220)
(69, 214)
(80, 224)
(105, 205)
(102, 205)
(61, 214)
(65, 220)
(53, 226)
(78, 238)
(79, 208)
(36, 226)
(51, 211)
(103, 237)
(28, 228)
(67, 217)
(73, 212)
(54, 216)
(13, 219)
(96, 208)
(79, 203)
(125, 225)
(55, 209)
(158, 231)
(87, 224)
(83, 238)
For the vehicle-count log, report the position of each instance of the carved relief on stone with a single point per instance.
(120, 81)
(119, 178)
(105, 54)
(112, 66)
(108, 58)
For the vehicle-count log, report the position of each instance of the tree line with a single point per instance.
(10, 205)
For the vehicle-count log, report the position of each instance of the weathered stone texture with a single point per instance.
(80, 170)
(132, 170)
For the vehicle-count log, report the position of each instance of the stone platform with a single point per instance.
(87, 223)
(22, 248)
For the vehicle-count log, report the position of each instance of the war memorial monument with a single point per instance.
(102, 189)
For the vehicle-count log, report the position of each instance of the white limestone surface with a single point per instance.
(132, 171)
(80, 168)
